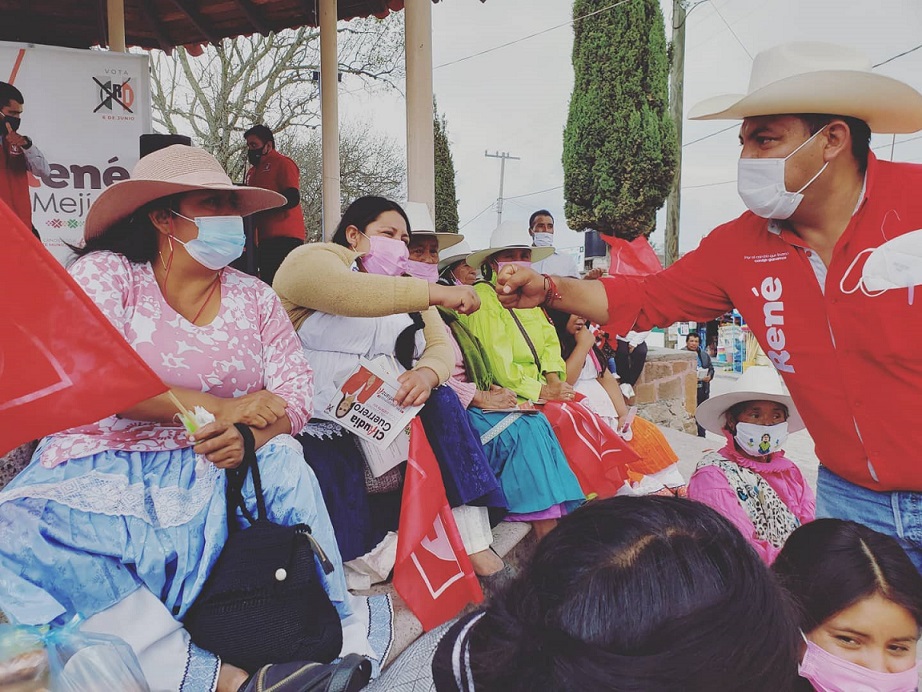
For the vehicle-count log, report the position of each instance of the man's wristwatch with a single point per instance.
(28, 144)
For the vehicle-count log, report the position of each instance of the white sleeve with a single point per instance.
(35, 161)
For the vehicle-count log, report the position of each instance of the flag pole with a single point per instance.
(182, 409)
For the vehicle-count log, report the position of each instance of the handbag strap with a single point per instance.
(237, 477)
(528, 341)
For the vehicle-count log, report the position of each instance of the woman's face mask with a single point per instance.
(423, 270)
(829, 673)
(761, 440)
(220, 240)
(386, 256)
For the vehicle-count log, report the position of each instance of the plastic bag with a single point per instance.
(65, 659)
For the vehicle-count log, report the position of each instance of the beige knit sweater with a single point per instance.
(318, 277)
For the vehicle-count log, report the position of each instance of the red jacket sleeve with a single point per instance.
(688, 290)
(287, 176)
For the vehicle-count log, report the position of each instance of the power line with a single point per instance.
(713, 134)
(692, 187)
(899, 55)
(902, 141)
(731, 30)
(530, 36)
(482, 211)
(532, 194)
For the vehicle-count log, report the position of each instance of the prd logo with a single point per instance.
(112, 93)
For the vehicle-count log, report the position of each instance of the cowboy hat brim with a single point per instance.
(446, 240)
(453, 259)
(887, 105)
(710, 414)
(476, 259)
(122, 199)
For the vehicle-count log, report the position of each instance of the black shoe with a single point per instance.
(349, 674)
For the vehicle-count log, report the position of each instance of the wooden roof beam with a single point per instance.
(198, 21)
(250, 12)
(150, 16)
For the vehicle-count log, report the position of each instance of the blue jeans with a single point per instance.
(897, 513)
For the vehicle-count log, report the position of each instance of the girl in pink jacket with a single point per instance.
(750, 481)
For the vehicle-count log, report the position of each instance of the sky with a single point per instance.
(515, 98)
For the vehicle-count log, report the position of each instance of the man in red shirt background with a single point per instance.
(18, 156)
(822, 267)
(278, 231)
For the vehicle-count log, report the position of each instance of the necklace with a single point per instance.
(214, 287)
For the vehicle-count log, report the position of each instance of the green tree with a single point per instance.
(620, 146)
(446, 203)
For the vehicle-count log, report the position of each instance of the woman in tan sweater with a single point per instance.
(349, 299)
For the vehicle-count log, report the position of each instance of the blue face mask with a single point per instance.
(220, 240)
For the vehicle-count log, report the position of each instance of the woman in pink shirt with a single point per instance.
(749, 480)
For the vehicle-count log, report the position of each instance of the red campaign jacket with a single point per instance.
(852, 363)
(14, 183)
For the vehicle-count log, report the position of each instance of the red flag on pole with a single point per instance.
(634, 258)
(433, 573)
(62, 363)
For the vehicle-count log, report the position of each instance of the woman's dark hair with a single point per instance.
(737, 409)
(829, 565)
(362, 212)
(639, 593)
(135, 237)
(559, 319)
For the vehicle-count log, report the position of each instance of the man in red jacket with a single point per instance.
(278, 231)
(18, 156)
(822, 267)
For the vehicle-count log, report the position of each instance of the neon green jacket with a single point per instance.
(507, 351)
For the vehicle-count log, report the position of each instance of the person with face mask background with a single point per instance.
(541, 230)
(858, 598)
(18, 156)
(749, 480)
(825, 216)
(145, 517)
(281, 230)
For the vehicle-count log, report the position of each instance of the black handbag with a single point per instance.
(263, 601)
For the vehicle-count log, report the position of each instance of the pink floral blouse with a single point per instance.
(249, 346)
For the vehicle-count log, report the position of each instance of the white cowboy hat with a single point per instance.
(421, 224)
(819, 78)
(170, 171)
(450, 256)
(509, 234)
(758, 383)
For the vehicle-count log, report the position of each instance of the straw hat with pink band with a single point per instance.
(170, 171)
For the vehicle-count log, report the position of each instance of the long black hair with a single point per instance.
(639, 593)
(362, 212)
(134, 237)
(829, 565)
(559, 319)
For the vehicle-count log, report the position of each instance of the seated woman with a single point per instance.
(112, 521)
(453, 267)
(523, 352)
(349, 300)
(859, 600)
(629, 593)
(749, 480)
(657, 469)
(521, 448)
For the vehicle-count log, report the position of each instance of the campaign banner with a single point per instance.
(365, 405)
(85, 110)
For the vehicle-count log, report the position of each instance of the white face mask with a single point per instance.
(896, 263)
(543, 239)
(761, 440)
(760, 183)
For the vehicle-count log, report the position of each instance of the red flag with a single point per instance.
(634, 258)
(433, 573)
(62, 363)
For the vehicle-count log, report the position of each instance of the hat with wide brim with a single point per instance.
(421, 224)
(758, 383)
(819, 78)
(453, 255)
(507, 236)
(170, 171)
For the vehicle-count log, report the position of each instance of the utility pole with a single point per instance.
(502, 156)
(676, 84)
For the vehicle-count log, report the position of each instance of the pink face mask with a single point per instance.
(829, 673)
(423, 270)
(386, 256)
(525, 264)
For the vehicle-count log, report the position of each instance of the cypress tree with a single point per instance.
(446, 204)
(620, 147)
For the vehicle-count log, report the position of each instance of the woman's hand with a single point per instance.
(230, 678)
(415, 387)
(497, 397)
(462, 299)
(220, 443)
(557, 391)
(585, 338)
(257, 409)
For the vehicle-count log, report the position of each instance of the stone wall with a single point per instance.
(666, 391)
